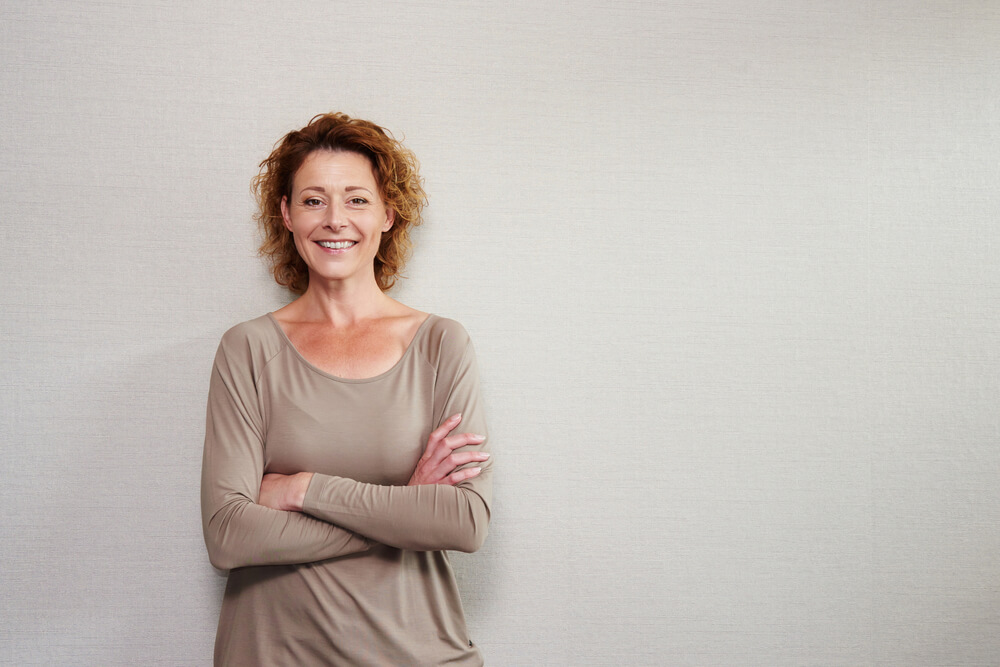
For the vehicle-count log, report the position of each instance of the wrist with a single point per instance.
(301, 486)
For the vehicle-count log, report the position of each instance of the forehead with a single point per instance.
(335, 168)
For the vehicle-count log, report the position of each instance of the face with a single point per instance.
(336, 216)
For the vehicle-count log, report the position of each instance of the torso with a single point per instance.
(385, 606)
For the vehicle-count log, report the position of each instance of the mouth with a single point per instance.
(336, 245)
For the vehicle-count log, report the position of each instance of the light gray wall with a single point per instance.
(731, 268)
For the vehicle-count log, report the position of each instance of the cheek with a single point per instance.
(299, 245)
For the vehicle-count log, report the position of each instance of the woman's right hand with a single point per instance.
(439, 461)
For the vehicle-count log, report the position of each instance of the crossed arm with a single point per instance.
(431, 512)
(250, 518)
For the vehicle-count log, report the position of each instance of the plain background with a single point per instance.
(731, 269)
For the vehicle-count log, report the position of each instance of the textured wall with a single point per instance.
(732, 271)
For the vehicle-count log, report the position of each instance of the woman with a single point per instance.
(334, 478)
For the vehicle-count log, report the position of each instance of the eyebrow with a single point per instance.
(349, 188)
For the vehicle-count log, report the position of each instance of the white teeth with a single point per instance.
(336, 245)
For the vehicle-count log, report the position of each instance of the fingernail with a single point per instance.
(484, 455)
(458, 416)
(479, 437)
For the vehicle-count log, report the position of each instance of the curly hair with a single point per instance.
(396, 172)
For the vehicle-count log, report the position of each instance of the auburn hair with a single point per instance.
(396, 172)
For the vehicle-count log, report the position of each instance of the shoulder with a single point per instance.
(448, 350)
(254, 342)
(444, 329)
(444, 340)
(260, 330)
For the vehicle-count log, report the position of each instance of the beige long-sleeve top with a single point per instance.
(361, 576)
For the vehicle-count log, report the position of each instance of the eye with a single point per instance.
(358, 201)
(313, 201)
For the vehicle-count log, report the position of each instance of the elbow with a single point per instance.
(220, 541)
(220, 557)
(474, 530)
(467, 539)
(220, 561)
(473, 539)
(461, 524)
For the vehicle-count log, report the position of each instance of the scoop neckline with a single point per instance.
(316, 369)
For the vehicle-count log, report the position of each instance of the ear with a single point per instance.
(284, 213)
(390, 217)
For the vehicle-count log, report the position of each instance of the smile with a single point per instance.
(337, 245)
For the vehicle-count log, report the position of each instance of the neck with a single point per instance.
(342, 303)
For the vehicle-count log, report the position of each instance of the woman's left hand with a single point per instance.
(440, 463)
(284, 492)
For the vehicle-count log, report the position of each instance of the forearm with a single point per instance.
(418, 518)
(238, 530)
(242, 533)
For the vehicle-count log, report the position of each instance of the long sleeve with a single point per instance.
(238, 531)
(430, 517)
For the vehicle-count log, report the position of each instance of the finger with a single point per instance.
(461, 458)
(450, 464)
(446, 427)
(450, 444)
(461, 475)
(440, 432)
(462, 440)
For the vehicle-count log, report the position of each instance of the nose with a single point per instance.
(336, 217)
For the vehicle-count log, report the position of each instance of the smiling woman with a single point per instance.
(334, 480)
(394, 168)
(336, 216)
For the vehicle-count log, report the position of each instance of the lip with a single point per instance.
(336, 251)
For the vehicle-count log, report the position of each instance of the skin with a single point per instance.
(343, 323)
